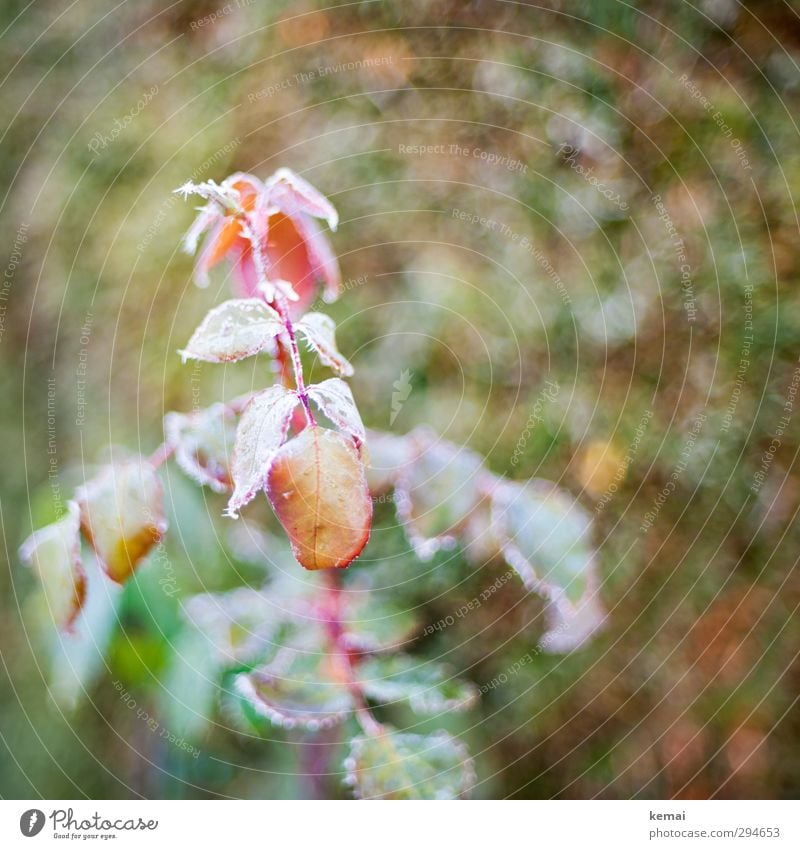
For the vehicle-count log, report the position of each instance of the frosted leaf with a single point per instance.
(54, 553)
(77, 658)
(317, 488)
(233, 331)
(291, 194)
(297, 689)
(261, 431)
(395, 765)
(545, 536)
(428, 687)
(320, 333)
(122, 515)
(569, 627)
(203, 442)
(371, 625)
(436, 493)
(334, 398)
(239, 626)
(388, 456)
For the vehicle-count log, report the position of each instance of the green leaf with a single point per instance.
(545, 536)
(77, 658)
(297, 689)
(373, 626)
(428, 687)
(233, 331)
(189, 689)
(238, 627)
(320, 333)
(436, 492)
(54, 552)
(395, 765)
(203, 443)
(122, 515)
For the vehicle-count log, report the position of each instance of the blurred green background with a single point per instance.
(635, 167)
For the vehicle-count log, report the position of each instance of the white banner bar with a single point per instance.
(347, 825)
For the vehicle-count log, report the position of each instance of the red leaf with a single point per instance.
(319, 492)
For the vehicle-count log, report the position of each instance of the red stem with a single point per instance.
(345, 655)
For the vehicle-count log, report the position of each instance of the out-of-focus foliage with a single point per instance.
(638, 347)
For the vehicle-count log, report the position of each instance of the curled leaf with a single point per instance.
(54, 552)
(395, 765)
(320, 333)
(334, 398)
(545, 536)
(203, 442)
(261, 431)
(318, 490)
(233, 331)
(436, 493)
(298, 689)
(428, 687)
(290, 193)
(122, 515)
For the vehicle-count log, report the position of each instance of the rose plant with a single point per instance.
(313, 655)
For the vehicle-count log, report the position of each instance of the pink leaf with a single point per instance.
(291, 194)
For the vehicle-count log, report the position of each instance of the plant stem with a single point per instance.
(335, 628)
(282, 306)
(161, 455)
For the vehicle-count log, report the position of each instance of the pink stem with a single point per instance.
(335, 628)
